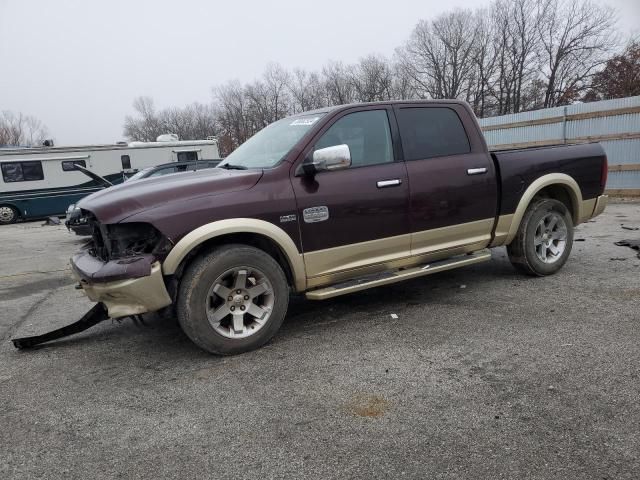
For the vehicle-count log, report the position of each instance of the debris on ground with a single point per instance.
(51, 221)
(620, 259)
(463, 286)
(579, 240)
(634, 244)
(394, 316)
(629, 228)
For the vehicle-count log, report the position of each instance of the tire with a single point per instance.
(544, 239)
(226, 312)
(8, 214)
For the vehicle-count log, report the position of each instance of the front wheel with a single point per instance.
(232, 300)
(8, 214)
(544, 239)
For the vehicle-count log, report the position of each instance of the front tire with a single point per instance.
(8, 214)
(232, 300)
(544, 239)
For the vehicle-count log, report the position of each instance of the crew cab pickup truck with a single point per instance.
(326, 203)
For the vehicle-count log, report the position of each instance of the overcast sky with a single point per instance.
(77, 65)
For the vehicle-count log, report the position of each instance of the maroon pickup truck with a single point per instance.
(326, 203)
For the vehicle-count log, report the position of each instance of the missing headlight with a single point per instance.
(131, 239)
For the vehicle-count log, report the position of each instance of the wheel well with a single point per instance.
(560, 193)
(253, 239)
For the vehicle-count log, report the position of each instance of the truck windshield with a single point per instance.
(270, 145)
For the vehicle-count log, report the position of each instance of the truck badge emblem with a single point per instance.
(315, 214)
(288, 218)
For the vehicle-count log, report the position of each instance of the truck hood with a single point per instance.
(114, 204)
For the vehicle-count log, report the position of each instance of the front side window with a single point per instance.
(271, 144)
(69, 165)
(22, 171)
(366, 133)
(431, 132)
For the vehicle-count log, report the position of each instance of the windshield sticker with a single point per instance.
(305, 121)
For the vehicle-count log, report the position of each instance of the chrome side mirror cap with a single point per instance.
(337, 157)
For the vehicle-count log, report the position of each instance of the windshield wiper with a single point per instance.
(230, 166)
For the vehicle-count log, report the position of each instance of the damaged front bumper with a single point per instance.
(128, 286)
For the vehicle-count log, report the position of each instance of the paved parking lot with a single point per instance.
(484, 374)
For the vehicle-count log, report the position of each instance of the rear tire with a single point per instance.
(544, 239)
(8, 214)
(232, 300)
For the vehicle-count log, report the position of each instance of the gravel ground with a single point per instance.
(484, 374)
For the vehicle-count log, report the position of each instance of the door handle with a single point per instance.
(388, 183)
(476, 171)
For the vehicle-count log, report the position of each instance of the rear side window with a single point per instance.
(431, 132)
(126, 162)
(68, 166)
(22, 171)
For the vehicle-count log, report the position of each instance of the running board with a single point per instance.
(393, 276)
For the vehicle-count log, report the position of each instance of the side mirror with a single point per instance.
(337, 157)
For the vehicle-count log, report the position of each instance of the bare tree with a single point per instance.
(306, 91)
(372, 79)
(439, 55)
(337, 84)
(516, 45)
(232, 114)
(17, 129)
(193, 122)
(577, 39)
(146, 127)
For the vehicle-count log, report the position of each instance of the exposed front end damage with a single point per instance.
(121, 268)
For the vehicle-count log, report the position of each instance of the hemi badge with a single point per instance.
(288, 218)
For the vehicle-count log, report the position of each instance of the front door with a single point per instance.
(356, 217)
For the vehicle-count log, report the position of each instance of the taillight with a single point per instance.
(604, 174)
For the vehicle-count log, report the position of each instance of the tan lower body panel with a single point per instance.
(451, 237)
(601, 203)
(333, 265)
(502, 230)
(131, 297)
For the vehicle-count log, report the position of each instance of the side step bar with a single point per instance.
(399, 275)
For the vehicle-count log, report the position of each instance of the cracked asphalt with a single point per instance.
(484, 374)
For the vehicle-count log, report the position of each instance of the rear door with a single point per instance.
(355, 217)
(452, 182)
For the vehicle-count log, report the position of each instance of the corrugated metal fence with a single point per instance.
(613, 123)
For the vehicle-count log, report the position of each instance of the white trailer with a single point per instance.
(42, 181)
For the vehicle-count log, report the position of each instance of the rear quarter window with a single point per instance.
(431, 132)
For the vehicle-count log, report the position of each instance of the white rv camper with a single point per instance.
(39, 182)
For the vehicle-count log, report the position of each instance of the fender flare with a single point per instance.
(239, 225)
(579, 208)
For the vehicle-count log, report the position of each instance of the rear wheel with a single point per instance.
(8, 214)
(544, 239)
(232, 300)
